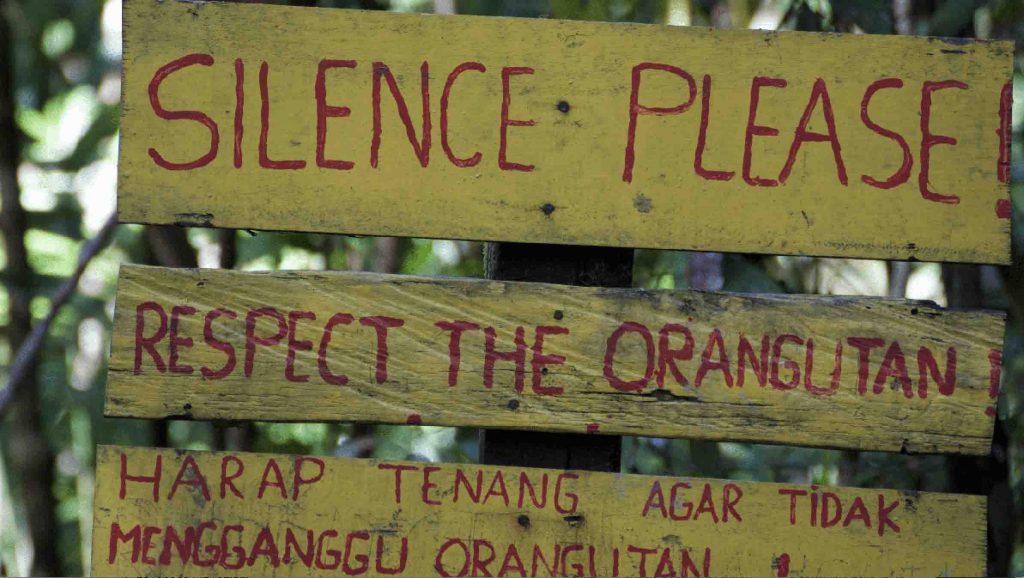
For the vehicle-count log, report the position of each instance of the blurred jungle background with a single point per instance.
(59, 90)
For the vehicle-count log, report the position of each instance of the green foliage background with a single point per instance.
(64, 56)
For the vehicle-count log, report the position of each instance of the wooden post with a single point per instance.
(566, 265)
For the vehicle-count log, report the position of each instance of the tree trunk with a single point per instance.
(168, 247)
(27, 448)
(586, 266)
(988, 475)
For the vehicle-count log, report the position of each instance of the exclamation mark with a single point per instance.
(995, 371)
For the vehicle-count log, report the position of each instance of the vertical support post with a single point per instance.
(566, 265)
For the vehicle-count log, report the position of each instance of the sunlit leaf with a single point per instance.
(58, 36)
(57, 128)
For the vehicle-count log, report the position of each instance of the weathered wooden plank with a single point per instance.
(565, 265)
(862, 373)
(772, 150)
(274, 515)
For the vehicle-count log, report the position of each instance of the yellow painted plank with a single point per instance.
(297, 346)
(826, 175)
(275, 515)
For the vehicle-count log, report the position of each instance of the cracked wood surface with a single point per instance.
(578, 99)
(896, 411)
(285, 515)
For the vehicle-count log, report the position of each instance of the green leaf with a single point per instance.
(747, 275)
(953, 17)
(871, 16)
(50, 253)
(88, 149)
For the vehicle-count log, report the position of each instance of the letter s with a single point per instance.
(154, 100)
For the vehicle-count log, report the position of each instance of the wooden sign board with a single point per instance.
(270, 117)
(873, 374)
(176, 513)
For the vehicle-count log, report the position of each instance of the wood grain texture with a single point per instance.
(564, 265)
(587, 517)
(579, 98)
(873, 401)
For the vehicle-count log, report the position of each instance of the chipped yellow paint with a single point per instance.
(334, 517)
(775, 397)
(579, 99)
